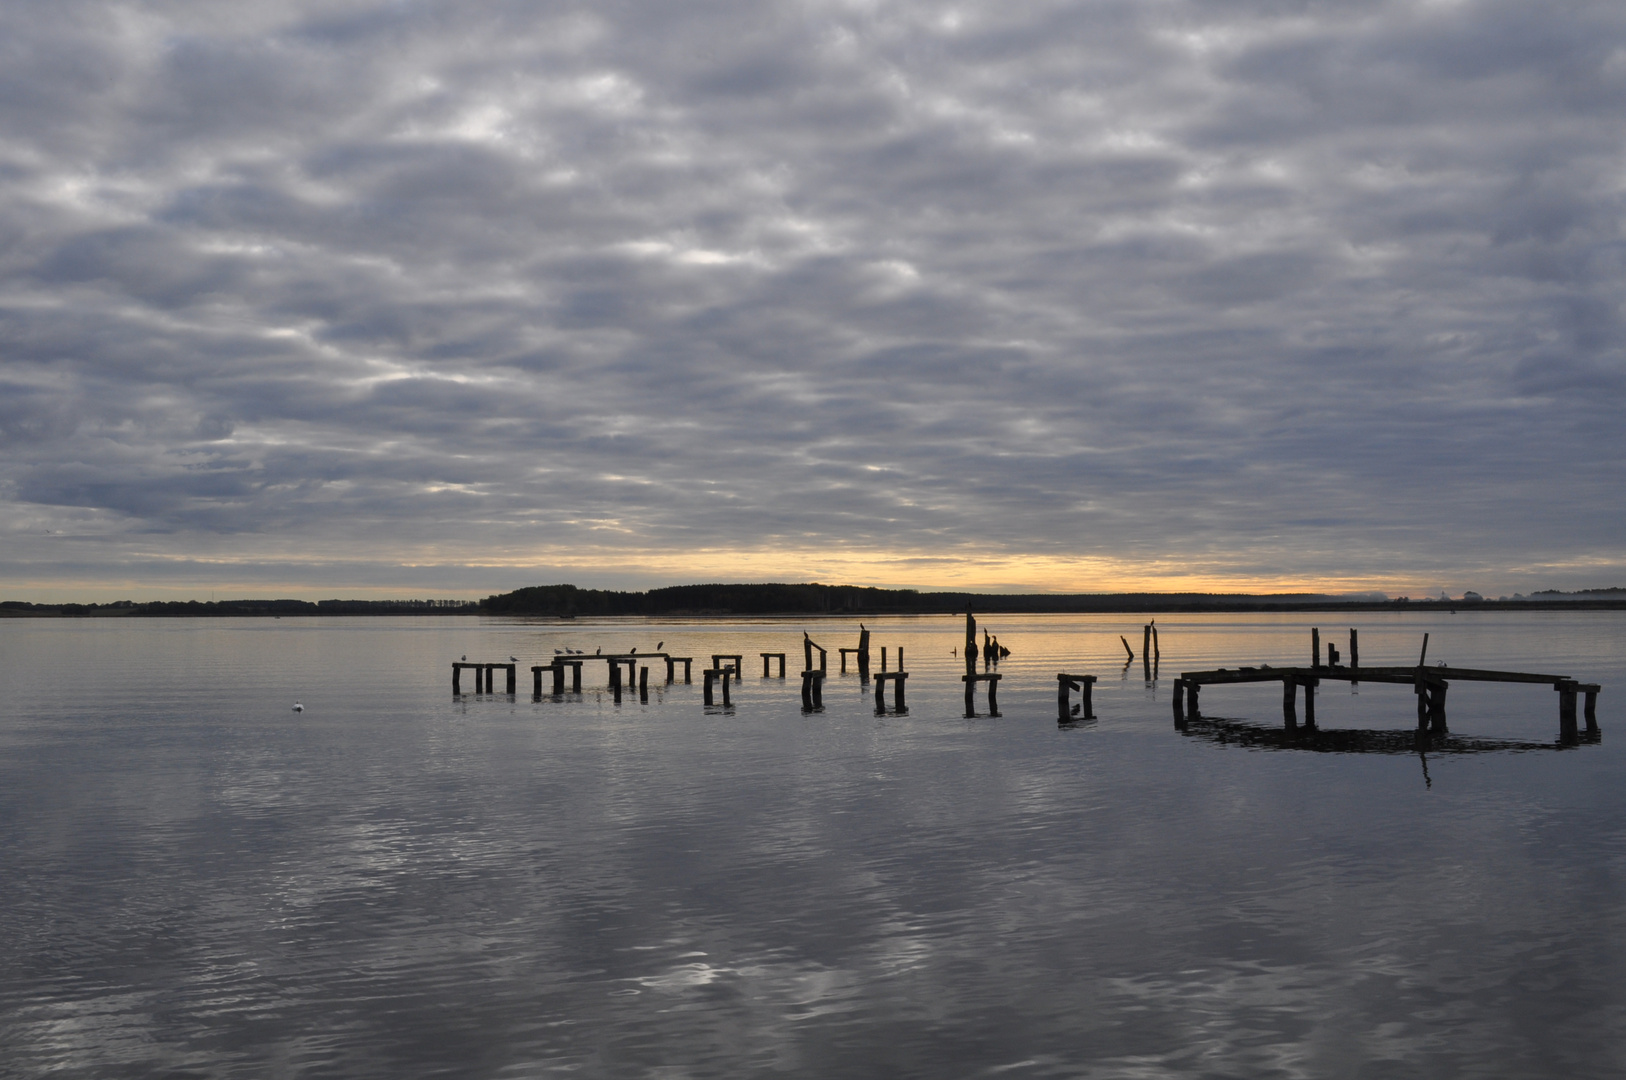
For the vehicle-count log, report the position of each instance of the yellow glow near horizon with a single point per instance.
(444, 575)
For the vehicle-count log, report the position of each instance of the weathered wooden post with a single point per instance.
(536, 682)
(1064, 699)
(707, 678)
(807, 691)
(900, 657)
(513, 678)
(1180, 704)
(863, 655)
(1146, 650)
(615, 681)
(1290, 708)
(1193, 706)
(1127, 649)
(970, 696)
(993, 696)
(897, 687)
(1354, 648)
(1566, 710)
(1157, 653)
(1591, 691)
(643, 684)
(1315, 648)
(883, 657)
(1436, 708)
(1310, 683)
(457, 678)
(970, 644)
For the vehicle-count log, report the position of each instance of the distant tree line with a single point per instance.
(247, 607)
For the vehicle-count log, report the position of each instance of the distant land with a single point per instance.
(812, 599)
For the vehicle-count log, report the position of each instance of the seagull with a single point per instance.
(513, 659)
(298, 707)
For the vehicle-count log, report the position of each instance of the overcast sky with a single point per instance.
(440, 298)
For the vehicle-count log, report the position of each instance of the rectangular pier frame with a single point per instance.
(812, 691)
(971, 680)
(710, 677)
(673, 660)
(482, 676)
(897, 679)
(1065, 685)
(773, 656)
(738, 664)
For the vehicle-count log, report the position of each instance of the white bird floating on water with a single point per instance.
(298, 707)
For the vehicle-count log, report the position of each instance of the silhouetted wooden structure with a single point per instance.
(482, 676)
(773, 656)
(1065, 685)
(712, 676)
(812, 691)
(1428, 683)
(737, 658)
(684, 660)
(897, 679)
(557, 668)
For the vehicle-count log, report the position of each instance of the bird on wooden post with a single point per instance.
(659, 645)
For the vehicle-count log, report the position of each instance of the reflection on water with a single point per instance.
(1336, 741)
(199, 881)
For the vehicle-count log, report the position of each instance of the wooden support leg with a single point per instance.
(457, 679)
(993, 697)
(1566, 714)
(818, 690)
(1179, 703)
(1309, 703)
(1063, 698)
(970, 696)
(1193, 707)
(575, 678)
(1436, 709)
(559, 678)
(1592, 712)
(513, 678)
(897, 693)
(1422, 706)
(643, 684)
(706, 678)
(536, 682)
(880, 697)
(726, 675)
(807, 691)
(1290, 707)
(1087, 706)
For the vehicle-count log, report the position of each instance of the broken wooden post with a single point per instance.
(457, 678)
(883, 657)
(1127, 649)
(1591, 692)
(615, 681)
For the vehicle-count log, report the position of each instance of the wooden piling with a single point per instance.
(1309, 702)
(1127, 649)
(1566, 710)
(513, 678)
(767, 656)
(1290, 708)
(1315, 647)
(1354, 648)
(1146, 650)
(1193, 705)
(1591, 691)
(457, 678)
(1180, 703)
(643, 684)
(863, 655)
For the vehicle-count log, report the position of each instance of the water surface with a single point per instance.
(197, 881)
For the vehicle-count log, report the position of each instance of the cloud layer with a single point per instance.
(1079, 296)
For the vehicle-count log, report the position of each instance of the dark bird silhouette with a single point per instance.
(659, 645)
(465, 658)
(634, 651)
(513, 659)
(298, 707)
(599, 651)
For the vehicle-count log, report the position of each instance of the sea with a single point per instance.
(196, 880)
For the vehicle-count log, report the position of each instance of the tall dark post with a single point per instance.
(643, 684)
(1315, 648)
(1309, 701)
(1354, 648)
(1157, 653)
(457, 679)
(1146, 650)
(807, 652)
(863, 655)
(1180, 704)
(1290, 709)
(883, 657)
(970, 646)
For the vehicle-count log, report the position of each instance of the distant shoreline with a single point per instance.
(807, 600)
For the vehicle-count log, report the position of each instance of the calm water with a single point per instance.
(197, 881)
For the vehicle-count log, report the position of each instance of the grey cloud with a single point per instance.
(1295, 282)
